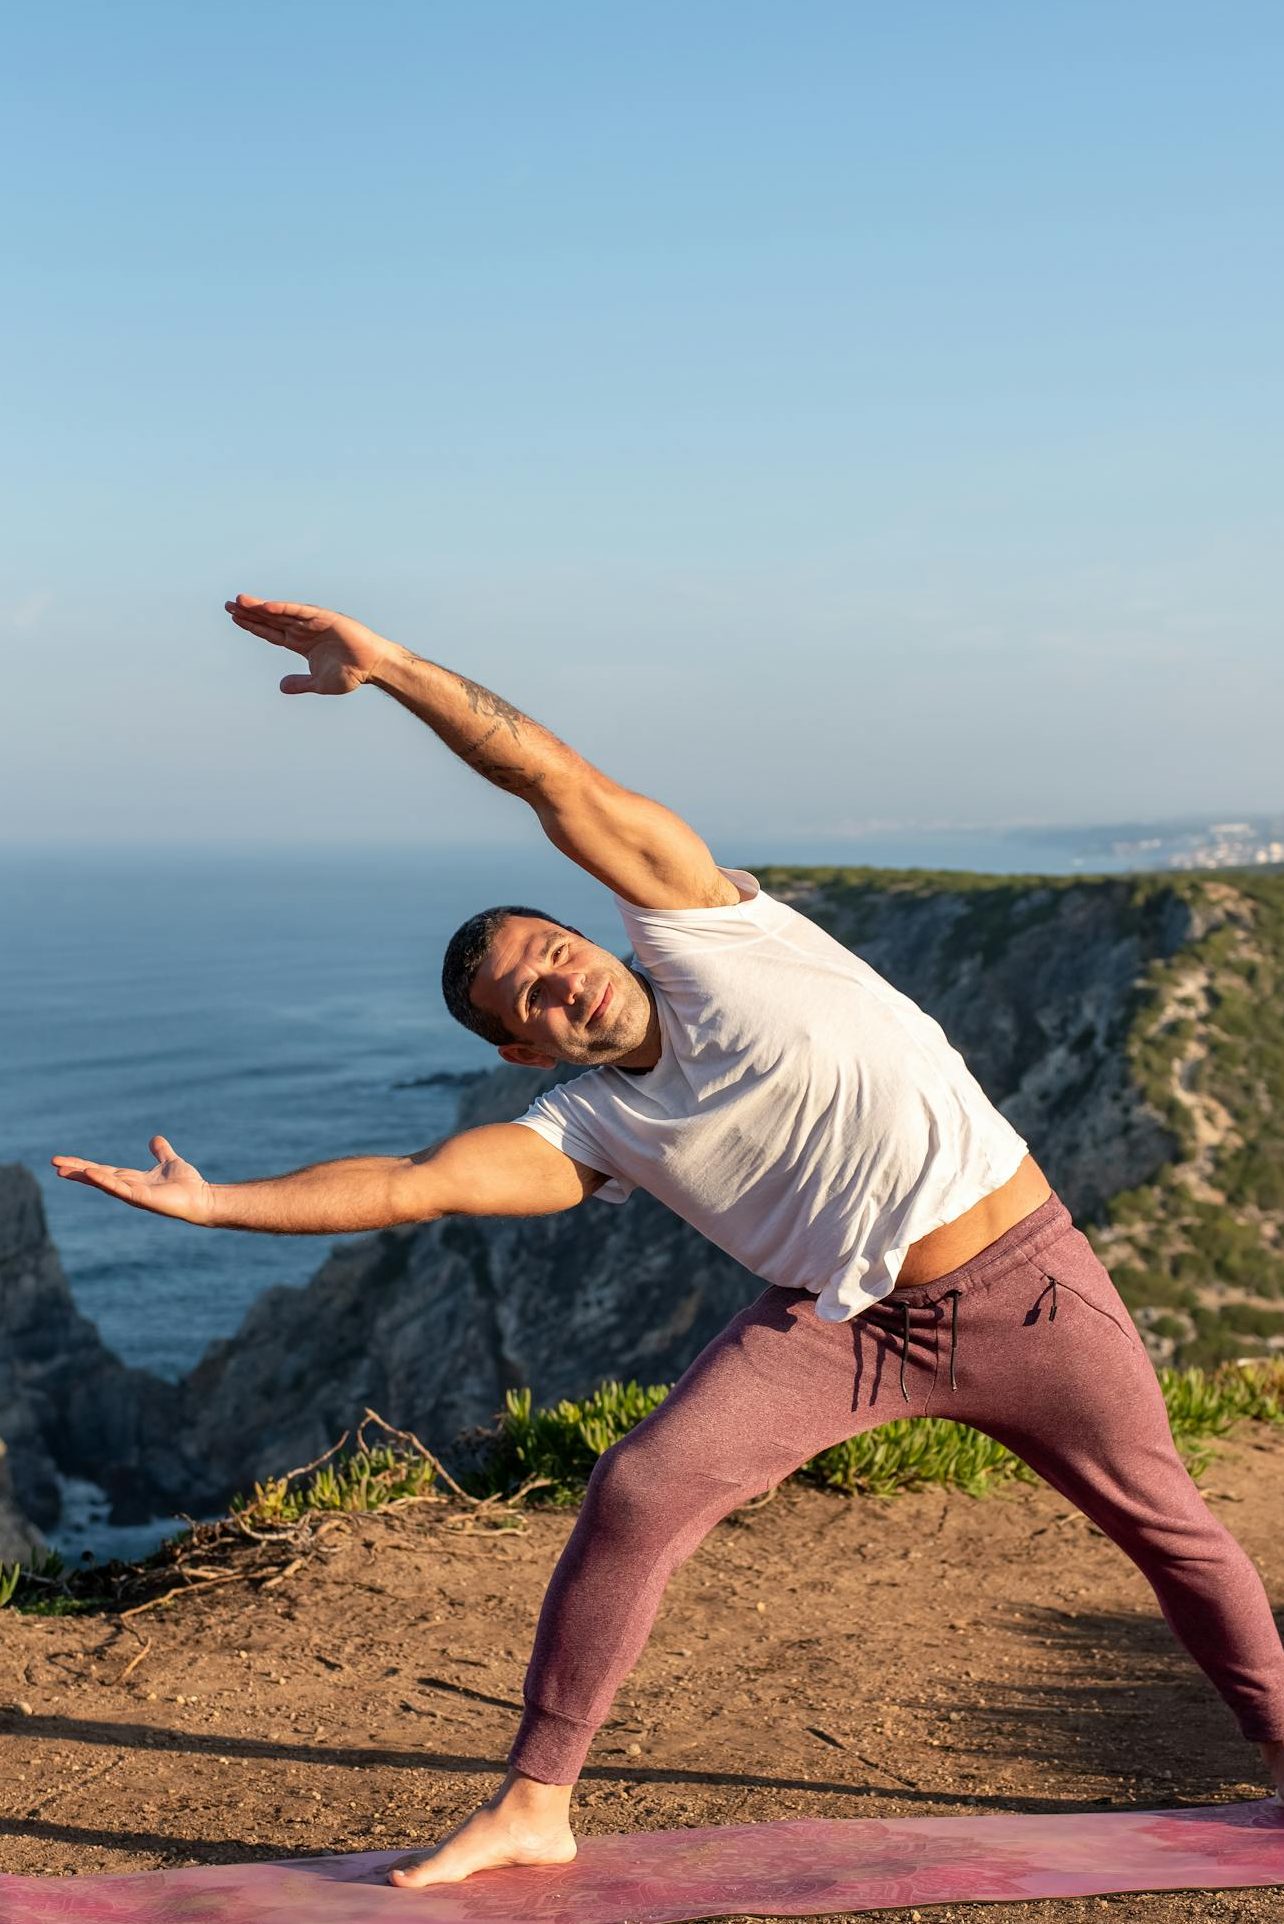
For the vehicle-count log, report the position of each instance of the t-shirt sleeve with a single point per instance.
(666, 935)
(564, 1120)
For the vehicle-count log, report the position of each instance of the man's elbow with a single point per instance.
(413, 1197)
(567, 791)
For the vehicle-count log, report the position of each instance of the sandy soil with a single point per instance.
(818, 1656)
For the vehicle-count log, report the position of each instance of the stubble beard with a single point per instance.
(626, 1029)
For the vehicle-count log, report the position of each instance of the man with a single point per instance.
(782, 1097)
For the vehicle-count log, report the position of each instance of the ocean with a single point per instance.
(263, 1010)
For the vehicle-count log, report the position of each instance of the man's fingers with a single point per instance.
(302, 636)
(287, 610)
(97, 1175)
(259, 611)
(256, 618)
(253, 604)
(260, 618)
(279, 637)
(163, 1149)
(297, 684)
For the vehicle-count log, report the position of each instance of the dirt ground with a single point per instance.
(818, 1656)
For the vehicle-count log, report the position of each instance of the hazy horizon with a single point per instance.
(857, 833)
(859, 844)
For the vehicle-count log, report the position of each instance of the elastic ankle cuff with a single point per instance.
(550, 1748)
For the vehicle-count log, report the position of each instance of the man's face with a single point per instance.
(560, 997)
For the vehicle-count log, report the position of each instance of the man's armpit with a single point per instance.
(593, 1179)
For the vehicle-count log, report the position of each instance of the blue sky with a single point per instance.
(819, 414)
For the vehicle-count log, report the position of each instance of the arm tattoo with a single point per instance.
(481, 742)
(514, 778)
(482, 702)
(504, 775)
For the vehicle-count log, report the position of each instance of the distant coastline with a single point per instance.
(1107, 848)
(1227, 840)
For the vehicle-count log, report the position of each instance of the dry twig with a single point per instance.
(187, 1590)
(422, 1450)
(134, 1662)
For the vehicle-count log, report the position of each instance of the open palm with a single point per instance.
(171, 1188)
(340, 653)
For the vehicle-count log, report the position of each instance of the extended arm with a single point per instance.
(498, 1170)
(636, 846)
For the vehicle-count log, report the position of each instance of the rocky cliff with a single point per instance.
(1045, 986)
(19, 1537)
(67, 1403)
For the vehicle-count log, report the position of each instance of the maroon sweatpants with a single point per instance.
(1044, 1356)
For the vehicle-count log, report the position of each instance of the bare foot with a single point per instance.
(525, 1822)
(1274, 1755)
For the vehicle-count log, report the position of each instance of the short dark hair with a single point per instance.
(465, 953)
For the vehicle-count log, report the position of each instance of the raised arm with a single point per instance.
(501, 1169)
(640, 849)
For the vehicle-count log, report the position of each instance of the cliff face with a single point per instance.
(19, 1536)
(430, 1326)
(1039, 984)
(67, 1402)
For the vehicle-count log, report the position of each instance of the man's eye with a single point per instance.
(532, 1000)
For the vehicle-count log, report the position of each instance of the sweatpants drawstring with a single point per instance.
(953, 1295)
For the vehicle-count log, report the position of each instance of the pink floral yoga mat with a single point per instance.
(660, 1877)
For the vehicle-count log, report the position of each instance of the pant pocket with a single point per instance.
(1071, 1266)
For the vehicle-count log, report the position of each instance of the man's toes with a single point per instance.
(408, 1872)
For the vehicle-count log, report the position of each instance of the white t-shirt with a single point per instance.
(804, 1115)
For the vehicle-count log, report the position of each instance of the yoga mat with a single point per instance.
(659, 1877)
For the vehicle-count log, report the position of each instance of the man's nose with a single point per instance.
(566, 985)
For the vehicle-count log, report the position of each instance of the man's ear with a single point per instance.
(522, 1056)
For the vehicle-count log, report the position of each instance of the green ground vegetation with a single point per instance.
(546, 1455)
(992, 908)
(1203, 1242)
(559, 1446)
(362, 1479)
